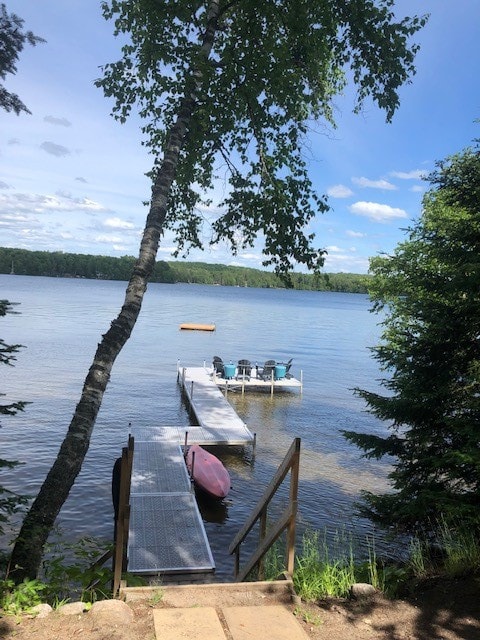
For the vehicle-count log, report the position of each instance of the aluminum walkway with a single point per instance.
(212, 410)
(166, 532)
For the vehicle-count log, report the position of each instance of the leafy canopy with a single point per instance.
(274, 67)
(12, 41)
(430, 348)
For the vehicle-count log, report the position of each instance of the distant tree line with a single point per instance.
(75, 265)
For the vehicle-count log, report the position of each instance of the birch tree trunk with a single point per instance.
(38, 523)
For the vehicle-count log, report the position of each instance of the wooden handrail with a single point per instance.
(291, 463)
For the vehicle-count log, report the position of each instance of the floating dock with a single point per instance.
(195, 326)
(203, 375)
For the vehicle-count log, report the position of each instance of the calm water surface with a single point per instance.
(326, 334)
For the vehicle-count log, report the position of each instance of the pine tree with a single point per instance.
(430, 291)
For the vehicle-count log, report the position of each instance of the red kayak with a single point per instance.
(207, 472)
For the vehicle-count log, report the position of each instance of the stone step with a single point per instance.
(222, 611)
(272, 622)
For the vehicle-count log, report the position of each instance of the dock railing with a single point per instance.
(286, 521)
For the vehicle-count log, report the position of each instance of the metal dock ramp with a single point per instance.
(216, 417)
(166, 533)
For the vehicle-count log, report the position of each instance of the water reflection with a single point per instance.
(212, 511)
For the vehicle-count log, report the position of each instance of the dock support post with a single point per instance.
(254, 450)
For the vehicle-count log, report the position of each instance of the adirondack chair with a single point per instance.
(265, 373)
(244, 369)
(218, 366)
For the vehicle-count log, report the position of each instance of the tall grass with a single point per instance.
(329, 570)
(458, 552)
(462, 549)
(317, 574)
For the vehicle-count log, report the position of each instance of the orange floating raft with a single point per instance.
(192, 326)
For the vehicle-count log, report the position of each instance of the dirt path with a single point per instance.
(441, 611)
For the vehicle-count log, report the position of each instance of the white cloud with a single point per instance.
(166, 249)
(345, 262)
(15, 203)
(339, 191)
(417, 188)
(377, 212)
(118, 223)
(11, 221)
(355, 234)
(416, 174)
(251, 256)
(109, 239)
(374, 184)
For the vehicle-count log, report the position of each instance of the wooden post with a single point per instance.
(263, 533)
(294, 475)
(123, 518)
(236, 568)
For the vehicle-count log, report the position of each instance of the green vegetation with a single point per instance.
(429, 289)
(321, 572)
(70, 571)
(16, 599)
(325, 570)
(75, 265)
(10, 502)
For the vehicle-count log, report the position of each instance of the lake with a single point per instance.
(328, 335)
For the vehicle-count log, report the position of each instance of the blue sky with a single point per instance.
(72, 179)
